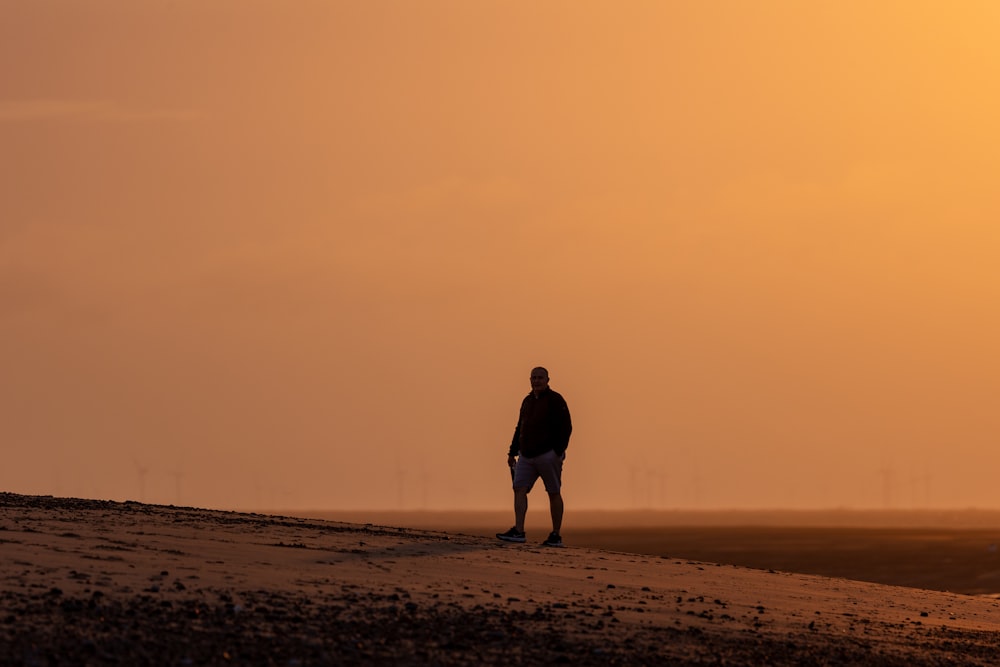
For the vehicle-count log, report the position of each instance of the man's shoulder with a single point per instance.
(548, 394)
(553, 395)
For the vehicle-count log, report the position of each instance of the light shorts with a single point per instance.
(548, 466)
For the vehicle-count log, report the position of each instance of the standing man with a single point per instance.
(538, 450)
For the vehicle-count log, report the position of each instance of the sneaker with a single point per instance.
(512, 535)
(553, 540)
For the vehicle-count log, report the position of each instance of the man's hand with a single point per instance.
(511, 461)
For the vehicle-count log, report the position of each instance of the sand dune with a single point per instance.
(94, 582)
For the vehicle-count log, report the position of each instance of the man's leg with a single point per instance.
(556, 509)
(520, 508)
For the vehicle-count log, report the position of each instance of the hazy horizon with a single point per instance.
(304, 255)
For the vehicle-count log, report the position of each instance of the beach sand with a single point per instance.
(103, 583)
(955, 551)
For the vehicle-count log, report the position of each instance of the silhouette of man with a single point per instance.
(538, 449)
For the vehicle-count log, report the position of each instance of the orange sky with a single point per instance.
(303, 254)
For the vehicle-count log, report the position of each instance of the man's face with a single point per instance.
(539, 380)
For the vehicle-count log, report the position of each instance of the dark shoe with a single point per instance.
(512, 535)
(553, 540)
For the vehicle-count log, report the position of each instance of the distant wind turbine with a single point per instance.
(886, 473)
(141, 471)
(178, 475)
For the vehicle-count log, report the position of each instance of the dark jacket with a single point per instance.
(544, 424)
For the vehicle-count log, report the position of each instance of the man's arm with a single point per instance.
(565, 427)
(515, 446)
(515, 442)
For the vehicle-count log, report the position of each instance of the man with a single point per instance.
(538, 449)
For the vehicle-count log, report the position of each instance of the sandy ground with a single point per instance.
(104, 583)
(938, 550)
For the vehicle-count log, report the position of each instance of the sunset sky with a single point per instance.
(303, 254)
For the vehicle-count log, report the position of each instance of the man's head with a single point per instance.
(539, 379)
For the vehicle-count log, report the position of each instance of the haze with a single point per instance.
(303, 255)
